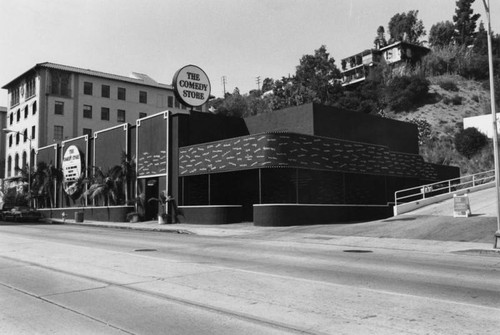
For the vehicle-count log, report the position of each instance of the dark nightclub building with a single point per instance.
(309, 164)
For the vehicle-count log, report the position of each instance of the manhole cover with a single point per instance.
(358, 251)
(144, 250)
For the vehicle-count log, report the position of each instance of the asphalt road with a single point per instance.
(59, 279)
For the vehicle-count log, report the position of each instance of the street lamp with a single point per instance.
(494, 116)
(29, 156)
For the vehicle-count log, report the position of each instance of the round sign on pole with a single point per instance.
(191, 86)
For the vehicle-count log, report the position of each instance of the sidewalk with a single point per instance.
(315, 234)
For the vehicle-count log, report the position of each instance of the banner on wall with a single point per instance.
(72, 168)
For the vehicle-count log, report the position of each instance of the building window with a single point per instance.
(10, 140)
(25, 159)
(120, 116)
(17, 138)
(87, 131)
(25, 134)
(9, 166)
(18, 115)
(105, 91)
(105, 113)
(11, 118)
(87, 111)
(16, 162)
(170, 102)
(33, 132)
(60, 83)
(87, 88)
(176, 104)
(141, 115)
(26, 112)
(59, 108)
(14, 97)
(33, 108)
(30, 88)
(58, 133)
(143, 97)
(121, 93)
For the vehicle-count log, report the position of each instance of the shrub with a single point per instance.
(475, 98)
(470, 141)
(405, 92)
(456, 100)
(448, 85)
(424, 129)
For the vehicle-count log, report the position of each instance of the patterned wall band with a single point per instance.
(271, 150)
(151, 144)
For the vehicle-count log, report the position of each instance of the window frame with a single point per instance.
(121, 93)
(105, 91)
(88, 88)
(85, 111)
(118, 118)
(143, 97)
(56, 104)
(61, 128)
(104, 114)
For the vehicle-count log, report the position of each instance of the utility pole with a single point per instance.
(258, 83)
(495, 124)
(224, 80)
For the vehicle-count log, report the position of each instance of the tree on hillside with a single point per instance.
(233, 104)
(267, 85)
(380, 40)
(406, 26)
(441, 34)
(317, 73)
(465, 22)
(470, 141)
(315, 80)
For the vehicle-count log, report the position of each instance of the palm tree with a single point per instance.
(103, 187)
(23, 177)
(44, 182)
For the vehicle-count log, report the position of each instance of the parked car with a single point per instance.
(22, 214)
(5, 207)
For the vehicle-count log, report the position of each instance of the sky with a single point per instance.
(239, 40)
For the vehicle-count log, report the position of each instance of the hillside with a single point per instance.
(446, 118)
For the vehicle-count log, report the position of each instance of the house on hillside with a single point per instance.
(356, 68)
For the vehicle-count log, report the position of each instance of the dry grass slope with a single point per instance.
(446, 119)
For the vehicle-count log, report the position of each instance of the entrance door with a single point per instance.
(151, 192)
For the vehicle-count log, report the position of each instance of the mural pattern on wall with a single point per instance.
(152, 163)
(300, 151)
(151, 144)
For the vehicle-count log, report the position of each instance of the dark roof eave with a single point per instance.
(91, 73)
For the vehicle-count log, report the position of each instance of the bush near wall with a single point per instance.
(406, 92)
(470, 141)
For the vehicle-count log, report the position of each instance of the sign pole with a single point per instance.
(494, 120)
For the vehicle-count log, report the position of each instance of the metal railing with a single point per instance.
(443, 187)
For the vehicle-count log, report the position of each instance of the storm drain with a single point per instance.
(144, 250)
(358, 251)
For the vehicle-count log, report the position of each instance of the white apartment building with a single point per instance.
(51, 102)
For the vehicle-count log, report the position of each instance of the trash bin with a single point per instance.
(79, 217)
